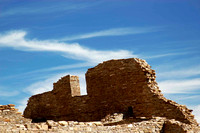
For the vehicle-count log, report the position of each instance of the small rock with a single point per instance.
(70, 123)
(11, 105)
(130, 125)
(75, 122)
(38, 126)
(96, 123)
(51, 123)
(44, 126)
(143, 118)
(63, 123)
(20, 126)
(28, 126)
(81, 123)
(6, 110)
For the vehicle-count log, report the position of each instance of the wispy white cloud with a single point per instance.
(193, 97)
(44, 8)
(180, 86)
(40, 86)
(22, 104)
(8, 93)
(112, 32)
(196, 110)
(164, 55)
(182, 73)
(34, 74)
(64, 67)
(16, 40)
(5, 92)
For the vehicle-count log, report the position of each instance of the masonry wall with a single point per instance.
(118, 84)
(112, 86)
(58, 104)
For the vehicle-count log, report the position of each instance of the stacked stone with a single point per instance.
(10, 118)
(11, 121)
(125, 86)
(8, 107)
(172, 110)
(150, 76)
(116, 117)
(112, 86)
(155, 125)
(8, 113)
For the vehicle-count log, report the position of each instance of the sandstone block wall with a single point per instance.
(125, 86)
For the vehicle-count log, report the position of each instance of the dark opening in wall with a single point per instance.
(130, 111)
(39, 120)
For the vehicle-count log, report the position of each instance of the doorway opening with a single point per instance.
(130, 111)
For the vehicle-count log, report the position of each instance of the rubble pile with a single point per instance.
(12, 121)
(8, 113)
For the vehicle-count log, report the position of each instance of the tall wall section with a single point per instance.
(117, 85)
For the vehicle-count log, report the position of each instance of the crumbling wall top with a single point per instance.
(68, 84)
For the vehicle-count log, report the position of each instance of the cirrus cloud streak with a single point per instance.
(17, 40)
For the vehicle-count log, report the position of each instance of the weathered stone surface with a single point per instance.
(116, 117)
(8, 113)
(125, 86)
(51, 123)
(154, 125)
(63, 123)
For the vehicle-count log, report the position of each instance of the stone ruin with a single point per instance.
(126, 86)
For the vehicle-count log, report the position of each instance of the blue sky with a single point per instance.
(41, 41)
